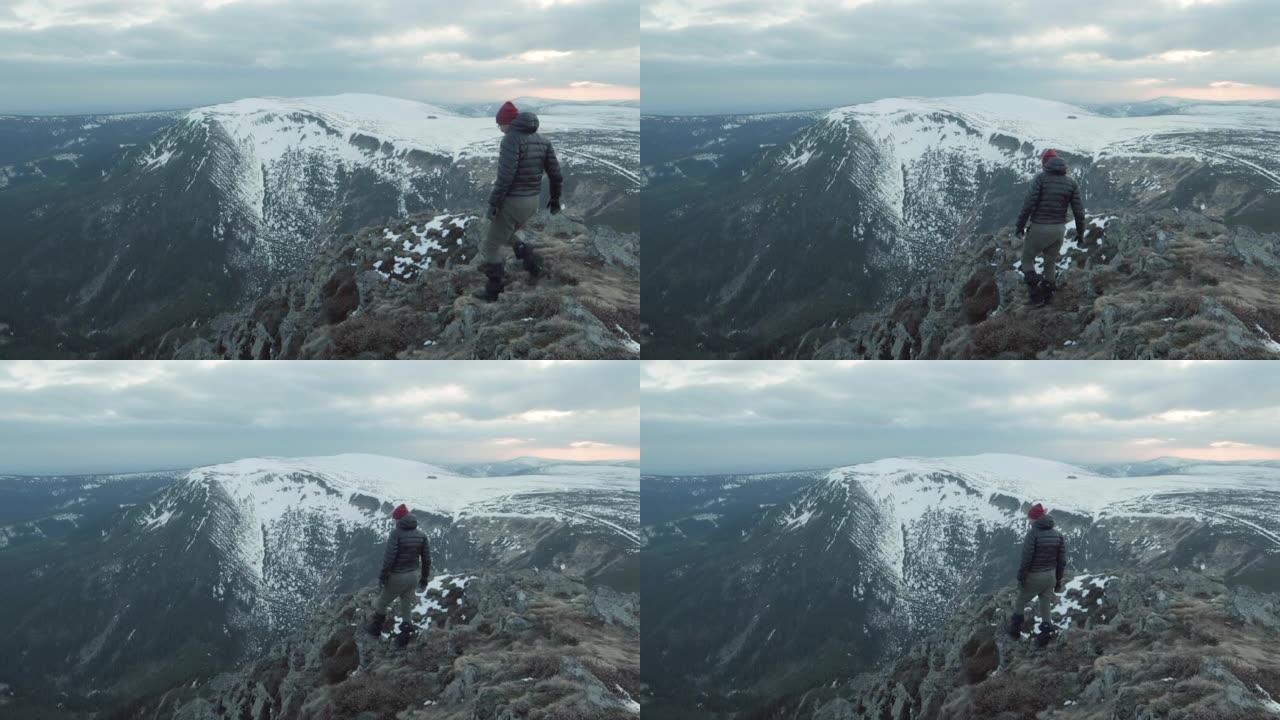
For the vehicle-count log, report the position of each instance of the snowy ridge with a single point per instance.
(271, 485)
(337, 126)
(979, 494)
(933, 164)
(913, 127)
(913, 485)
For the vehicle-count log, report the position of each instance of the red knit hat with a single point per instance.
(400, 512)
(507, 113)
(1037, 512)
(1048, 155)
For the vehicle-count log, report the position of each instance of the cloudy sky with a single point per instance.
(759, 55)
(69, 56)
(101, 416)
(726, 417)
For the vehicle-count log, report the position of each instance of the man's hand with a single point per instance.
(554, 207)
(493, 212)
(1079, 234)
(1020, 232)
(1058, 588)
(382, 581)
(422, 584)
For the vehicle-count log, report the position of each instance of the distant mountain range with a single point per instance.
(840, 572)
(761, 227)
(123, 226)
(203, 570)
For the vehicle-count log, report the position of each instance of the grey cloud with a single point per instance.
(727, 417)
(255, 47)
(829, 55)
(107, 417)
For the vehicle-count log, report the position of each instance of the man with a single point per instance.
(1046, 205)
(1044, 559)
(522, 159)
(406, 548)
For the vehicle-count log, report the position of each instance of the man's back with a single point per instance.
(1044, 547)
(407, 548)
(524, 156)
(1052, 196)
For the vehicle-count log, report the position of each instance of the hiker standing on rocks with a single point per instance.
(1044, 559)
(406, 548)
(523, 158)
(1046, 205)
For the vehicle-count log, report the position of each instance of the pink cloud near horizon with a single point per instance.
(582, 453)
(1223, 91)
(1223, 453)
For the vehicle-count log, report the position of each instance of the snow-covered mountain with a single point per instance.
(210, 208)
(858, 565)
(230, 558)
(845, 213)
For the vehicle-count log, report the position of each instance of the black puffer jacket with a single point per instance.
(406, 547)
(1051, 195)
(524, 156)
(1043, 549)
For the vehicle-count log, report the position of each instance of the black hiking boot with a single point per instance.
(1035, 284)
(374, 626)
(1047, 631)
(1047, 289)
(406, 634)
(1015, 626)
(530, 259)
(496, 274)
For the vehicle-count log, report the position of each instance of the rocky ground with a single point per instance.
(403, 290)
(1168, 646)
(1170, 284)
(528, 644)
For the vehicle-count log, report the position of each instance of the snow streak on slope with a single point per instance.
(946, 167)
(974, 496)
(942, 526)
(285, 525)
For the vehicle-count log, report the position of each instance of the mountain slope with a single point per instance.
(853, 569)
(209, 210)
(1169, 644)
(1171, 284)
(529, 644)
(844, 215)
(231, 558)
(404, 290)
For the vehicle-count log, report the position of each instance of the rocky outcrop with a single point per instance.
(1169, 284)
(530, 644)
(403, 290)
(1171, 645)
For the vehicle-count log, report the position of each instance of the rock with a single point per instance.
(366, 296)
(474, 664)
(1166, 284)
(1186, 659)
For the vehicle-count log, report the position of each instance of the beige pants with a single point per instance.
(514, 213)
(1043, 240)
(400, 586)
(1038, 585)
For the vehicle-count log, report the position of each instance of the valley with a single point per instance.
(845, 571)
(840, 213)
(208, 569)
(123, 227)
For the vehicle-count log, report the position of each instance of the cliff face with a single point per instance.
(403, 290)
(1168, 284)
(529, 644)
(1138, 646)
